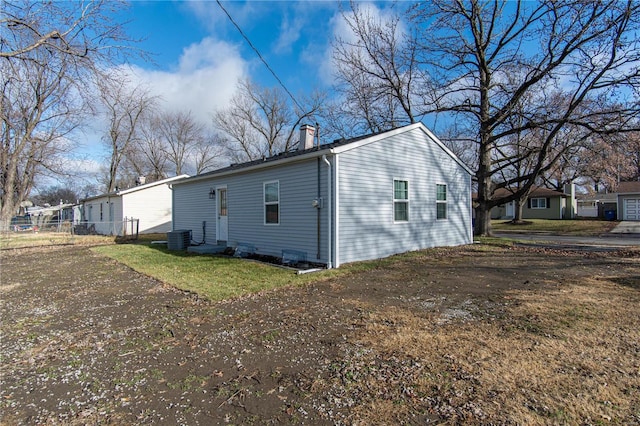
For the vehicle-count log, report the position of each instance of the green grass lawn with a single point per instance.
(582, 227)
(213, 277)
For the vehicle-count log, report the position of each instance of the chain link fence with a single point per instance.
(127, 228)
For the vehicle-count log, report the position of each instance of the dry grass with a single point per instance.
(560, 227)
(41, 239)
(568, 356)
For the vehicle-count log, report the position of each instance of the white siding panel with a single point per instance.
(152, 206)
(103, 223)
(366, 174)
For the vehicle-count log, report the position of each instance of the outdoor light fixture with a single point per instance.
(212, 194)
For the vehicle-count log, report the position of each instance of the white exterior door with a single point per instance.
(631, 209)
(223, 225)
(510, 210)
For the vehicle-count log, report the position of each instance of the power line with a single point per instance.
(259, 55)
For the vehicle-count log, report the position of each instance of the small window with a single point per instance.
(441, 201)
(400, 200)
(101, 214)
(272, 203)
(222, 202)
(538, 203)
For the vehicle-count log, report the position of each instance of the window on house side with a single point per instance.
(441, 201)
(538, 203)
(272, 203)
(400, 200)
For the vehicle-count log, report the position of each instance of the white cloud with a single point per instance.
(290, 32)
(212, 17)
(204, 80)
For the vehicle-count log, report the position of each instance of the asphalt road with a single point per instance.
(605, 240)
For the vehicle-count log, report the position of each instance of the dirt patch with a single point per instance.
(470, 335)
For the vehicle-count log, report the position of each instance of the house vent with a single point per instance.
(307, 134)
(179, 239)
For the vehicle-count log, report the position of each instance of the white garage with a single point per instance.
(629, 200)
(631, 209)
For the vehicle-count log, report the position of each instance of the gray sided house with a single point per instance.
(351, 200)
(150, 204)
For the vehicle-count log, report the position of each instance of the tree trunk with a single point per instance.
(517, 214)
(482, 225)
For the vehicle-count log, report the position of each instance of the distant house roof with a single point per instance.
(137, 188)
(334, 147)
(537, 191)
(629, 187)
(601, 197)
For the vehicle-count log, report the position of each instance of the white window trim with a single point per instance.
(538, 203)
(265, 203)
(399, 200)
(445, 202)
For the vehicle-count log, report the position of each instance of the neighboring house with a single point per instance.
(350, 200)
(150, 204)
(629, 200)
(542, 203)
(55, 215)
(595, 205)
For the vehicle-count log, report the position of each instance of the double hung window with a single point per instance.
(272, 203)
(441, 201)
(400, 200)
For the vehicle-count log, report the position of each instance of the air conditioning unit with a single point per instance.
(179, 239)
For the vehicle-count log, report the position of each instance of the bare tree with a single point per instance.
(259, 122)
(207, 153)
(610, 160)
(480, 59)
(124, 107)
(65, 29)
(181, 134)
(377, 72)
(148, 156)
(38, 111)
(48, 52)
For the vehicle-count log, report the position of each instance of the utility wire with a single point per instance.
(259, 55)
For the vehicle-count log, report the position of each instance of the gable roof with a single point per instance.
(137, 188)
(335, 147)
(537, 191)
(601, 197)
(632, 187)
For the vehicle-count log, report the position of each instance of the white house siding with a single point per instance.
(192, 206)
(365, 178)
(102, 213)
(297, 229)
(151, 205)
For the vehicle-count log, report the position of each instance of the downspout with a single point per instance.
(329, 195)
(173, 209)
(318, 213)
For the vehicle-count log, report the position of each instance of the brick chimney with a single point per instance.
(307, 134)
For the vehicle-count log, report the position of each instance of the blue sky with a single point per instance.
(198, 55)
